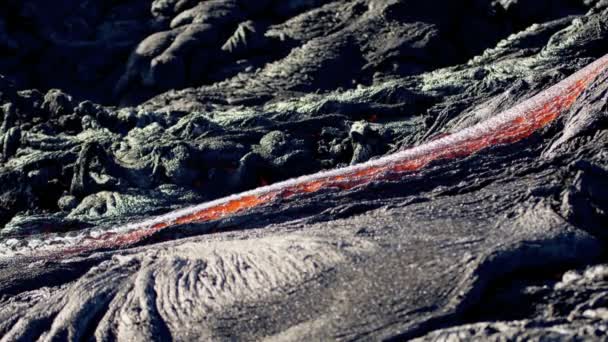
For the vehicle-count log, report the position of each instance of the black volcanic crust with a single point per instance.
(123, 52)
(203, 99)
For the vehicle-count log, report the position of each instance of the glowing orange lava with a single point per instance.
(523, 125)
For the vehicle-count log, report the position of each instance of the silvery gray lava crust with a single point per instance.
(170, 103)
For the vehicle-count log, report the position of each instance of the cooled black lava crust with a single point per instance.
(115, 111)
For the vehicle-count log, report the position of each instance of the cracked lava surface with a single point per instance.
(507, 127)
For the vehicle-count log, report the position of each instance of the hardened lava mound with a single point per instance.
(303, 170)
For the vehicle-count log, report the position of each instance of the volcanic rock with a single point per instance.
(117, 115)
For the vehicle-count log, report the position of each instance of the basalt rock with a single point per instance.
(113, 112)
(106, 52)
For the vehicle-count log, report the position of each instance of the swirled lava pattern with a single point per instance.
(507, 127)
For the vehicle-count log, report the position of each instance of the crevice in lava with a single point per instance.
(506, 128)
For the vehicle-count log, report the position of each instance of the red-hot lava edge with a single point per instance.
(507, 127)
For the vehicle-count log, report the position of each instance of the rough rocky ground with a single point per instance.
(167, 103)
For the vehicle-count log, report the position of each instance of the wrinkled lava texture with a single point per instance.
(291, 170)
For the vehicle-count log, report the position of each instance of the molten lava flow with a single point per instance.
(511, 126)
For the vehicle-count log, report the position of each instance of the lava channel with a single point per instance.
(507, 127)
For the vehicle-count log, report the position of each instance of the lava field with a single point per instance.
(303, 170)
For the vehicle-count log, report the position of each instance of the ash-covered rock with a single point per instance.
(215, 97)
